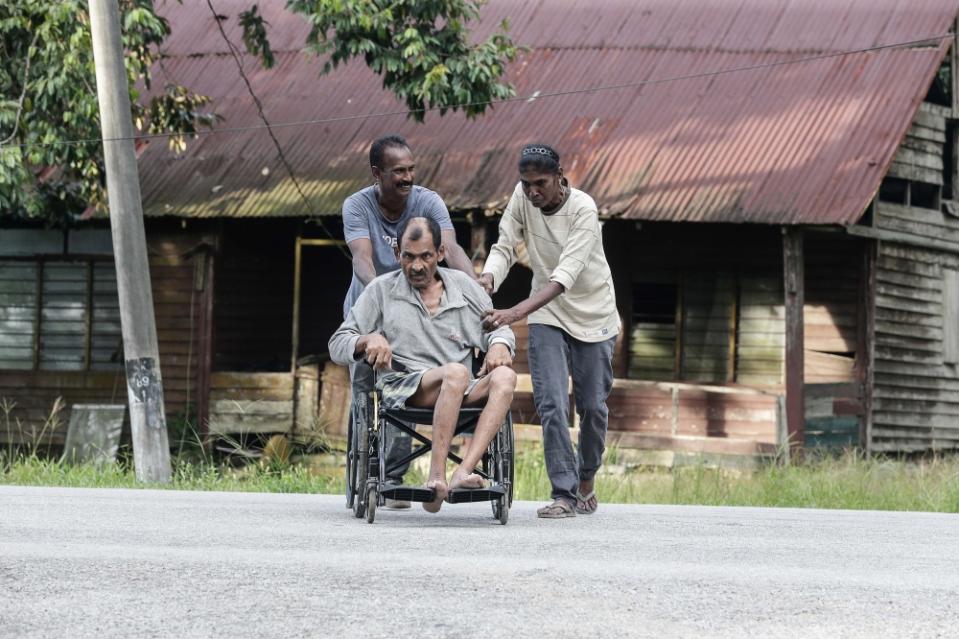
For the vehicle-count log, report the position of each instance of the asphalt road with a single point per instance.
(125, 563)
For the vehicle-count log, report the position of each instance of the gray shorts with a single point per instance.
(396, 388)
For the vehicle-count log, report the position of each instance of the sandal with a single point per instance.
(582, 503)
(559, 509)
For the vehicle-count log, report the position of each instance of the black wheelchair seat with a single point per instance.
(425, 415)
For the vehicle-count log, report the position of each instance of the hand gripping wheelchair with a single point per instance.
(367, 467)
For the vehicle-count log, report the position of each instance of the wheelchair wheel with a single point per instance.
(360, 469)
(501, 510)
(354, 483)
(503, 469)
(350, 466)
(510, 448)
(371, 497)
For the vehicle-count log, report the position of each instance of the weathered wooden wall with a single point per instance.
(920, 156)
(916, 382)
(703, 303)
(32, 393)
(831, 315)
(248, 403)
(915, 404)
(692, 418)
(175, 263)
(707, 305)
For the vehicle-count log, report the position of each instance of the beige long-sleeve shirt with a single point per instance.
(564, 247)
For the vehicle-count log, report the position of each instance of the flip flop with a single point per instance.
(559, 509)
(582, 503)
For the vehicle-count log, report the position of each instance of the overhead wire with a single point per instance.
(266, 123)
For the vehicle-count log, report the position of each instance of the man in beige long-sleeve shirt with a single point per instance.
(573, 320)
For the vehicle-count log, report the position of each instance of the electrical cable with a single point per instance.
(276, 143)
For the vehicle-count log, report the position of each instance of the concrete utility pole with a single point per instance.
(151, 448)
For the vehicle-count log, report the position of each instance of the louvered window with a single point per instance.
(59, 314)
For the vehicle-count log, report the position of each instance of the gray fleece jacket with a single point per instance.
(393, 308)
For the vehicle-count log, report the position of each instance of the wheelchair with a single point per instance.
(367, 468)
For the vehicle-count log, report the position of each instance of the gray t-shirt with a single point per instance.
(362, 219)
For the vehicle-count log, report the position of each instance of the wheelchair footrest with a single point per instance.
(468, 495)
(407, 493)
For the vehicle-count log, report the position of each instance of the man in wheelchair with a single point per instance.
(418, 327)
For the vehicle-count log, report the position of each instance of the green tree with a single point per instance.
(420, 48)
(47, 95)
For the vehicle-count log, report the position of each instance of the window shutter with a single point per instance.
(63, 316)
(18, 308)
(106, 349)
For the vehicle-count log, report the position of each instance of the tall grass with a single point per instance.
(195, 467)
(850, 481)
(187, 475)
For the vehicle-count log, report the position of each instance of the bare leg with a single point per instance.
(497, 389)
(442, 390)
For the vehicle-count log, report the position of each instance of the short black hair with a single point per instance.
(416, 232)
(380, 144)
(539, 157)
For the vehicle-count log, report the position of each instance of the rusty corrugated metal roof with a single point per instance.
(804, 143)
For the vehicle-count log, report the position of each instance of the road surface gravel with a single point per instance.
(154, 563)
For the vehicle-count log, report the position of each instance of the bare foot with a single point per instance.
(442, 490)
(462, 480)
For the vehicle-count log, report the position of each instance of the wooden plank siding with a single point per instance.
(245, 403)
(920, 156)
(831, 315)
(176, 301)
(33, 393)
(916, 386)
(915, 394)
(700, 293)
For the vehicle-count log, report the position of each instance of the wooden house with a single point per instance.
(777, 183)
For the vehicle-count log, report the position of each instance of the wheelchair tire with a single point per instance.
(503, 469)
(360, 469)
(350, 466)
(371, 497)
(510, 440)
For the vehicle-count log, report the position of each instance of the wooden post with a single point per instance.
(867, 332)
(151, 447)
(295, 331)
(793, 277)
(205, 372)
(680, 322)
(782, 435)
(733, 330)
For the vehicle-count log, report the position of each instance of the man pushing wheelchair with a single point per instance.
(418, 327)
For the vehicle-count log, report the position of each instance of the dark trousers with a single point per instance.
(553, 356)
